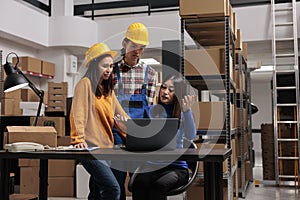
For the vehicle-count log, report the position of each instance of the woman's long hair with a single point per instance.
(93, 73)
(179, 86)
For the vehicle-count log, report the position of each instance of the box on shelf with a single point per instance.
(16, 94)
(58, 88)
(29, 64)
(245, 50)
(44, 135)
(239, 41)
(209, 61)
(240, 77)
(204, 8)
(210, 115)
(245, 141)
(239, 118)
(212, 146)
(57, 122)
(29, 95)
(57, 97)
(234, 24)
(247, 173)
(48, 68)
(10, 107)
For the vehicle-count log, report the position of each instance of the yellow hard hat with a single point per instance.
(97, 50)
(137, 33)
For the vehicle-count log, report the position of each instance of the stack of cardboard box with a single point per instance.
(57, 97)
(61, 173)
(268, 153)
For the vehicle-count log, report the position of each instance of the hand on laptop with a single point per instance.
(187, 102)
(120, 122)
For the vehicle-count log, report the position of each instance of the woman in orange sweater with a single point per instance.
(95, 110)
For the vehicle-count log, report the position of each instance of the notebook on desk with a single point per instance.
(151, 134)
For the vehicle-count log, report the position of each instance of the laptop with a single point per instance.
(151, 134)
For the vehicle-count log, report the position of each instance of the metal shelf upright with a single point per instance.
(207, 32)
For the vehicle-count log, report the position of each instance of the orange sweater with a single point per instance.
(91, 118)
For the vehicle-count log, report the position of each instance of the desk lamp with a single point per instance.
(15, 79)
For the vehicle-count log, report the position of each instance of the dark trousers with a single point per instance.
(155, 184)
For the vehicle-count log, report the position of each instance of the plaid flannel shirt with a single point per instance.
(133, 79)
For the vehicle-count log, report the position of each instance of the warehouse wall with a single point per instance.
(33, 32)
(262, 98)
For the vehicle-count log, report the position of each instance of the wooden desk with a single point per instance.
(213, 160)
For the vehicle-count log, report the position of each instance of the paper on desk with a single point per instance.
(70, 148)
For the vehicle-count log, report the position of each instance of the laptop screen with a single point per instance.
(151, 134)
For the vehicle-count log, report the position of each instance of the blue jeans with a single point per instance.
(103, 184)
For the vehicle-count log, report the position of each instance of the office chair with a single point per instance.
(193, 168)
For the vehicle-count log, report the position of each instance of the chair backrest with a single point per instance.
(193, 167)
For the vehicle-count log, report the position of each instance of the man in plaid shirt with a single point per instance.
(133, 78)
(132, 72)
(132, 69)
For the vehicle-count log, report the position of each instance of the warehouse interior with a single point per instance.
(59, 32)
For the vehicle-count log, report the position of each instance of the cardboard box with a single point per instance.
(211, 146)
(10, 107)
(16, 94)
(238, 144)
(209, 61)
(48, 68)
(29, 64)
(46, 97)
(234, 24)
(239, 77)
(239, 118)
(44, 135)
(211, 115)
(29, 95)
(63, 140)
(61, 187)
(57, 168)
(196, 190)
(61, 168)
(245, 50)
(247, 173)
(29, 180)
(29, 162)
(204, 8)
(239, 41)
(57, 122)
(234, 155)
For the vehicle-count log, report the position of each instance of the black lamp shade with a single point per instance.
(13, 80)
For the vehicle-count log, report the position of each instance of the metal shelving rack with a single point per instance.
(220, 26)
(244, 99)
(285, 61)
